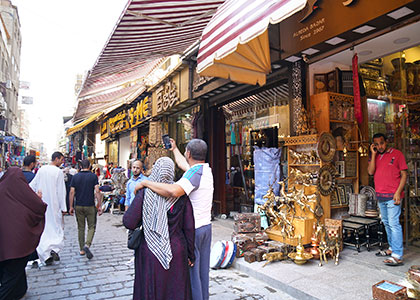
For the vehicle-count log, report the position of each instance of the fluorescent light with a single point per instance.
(335, 41)
(401, 40)
(399, 13)
(310, 51)
(293, 58)
(364, 29)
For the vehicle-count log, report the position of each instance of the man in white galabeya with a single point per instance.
(50, 181)
(197, 183)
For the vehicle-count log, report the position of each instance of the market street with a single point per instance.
(109, 275)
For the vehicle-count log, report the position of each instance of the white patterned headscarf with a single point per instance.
(155, 208)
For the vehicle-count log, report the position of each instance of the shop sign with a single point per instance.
(320, 21)
(138, 113)
(127, 118)
(104, 130)
(200, 81)
(166, 96)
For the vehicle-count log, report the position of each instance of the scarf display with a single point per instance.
(155, 208)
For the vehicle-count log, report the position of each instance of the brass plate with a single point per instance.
(326, 147)
(326, 180)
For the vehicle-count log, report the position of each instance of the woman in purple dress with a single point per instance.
(167, 241)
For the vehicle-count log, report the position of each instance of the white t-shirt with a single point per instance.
(197, 183)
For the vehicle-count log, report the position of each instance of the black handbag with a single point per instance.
(134, 238)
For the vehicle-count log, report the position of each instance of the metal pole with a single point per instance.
(243, 177)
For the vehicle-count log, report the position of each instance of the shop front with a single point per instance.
(120, 130)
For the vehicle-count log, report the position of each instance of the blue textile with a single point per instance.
(390, 214)
(266, 172)
(129, 190)
(199, 273)
(29, 176)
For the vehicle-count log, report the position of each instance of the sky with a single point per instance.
(60, 39)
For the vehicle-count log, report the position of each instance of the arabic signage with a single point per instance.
(166, 96)
(127, 118)
(322, 20)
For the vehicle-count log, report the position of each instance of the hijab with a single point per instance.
(22, 216)
(155, 208)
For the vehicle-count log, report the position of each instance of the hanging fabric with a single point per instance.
(356, 91)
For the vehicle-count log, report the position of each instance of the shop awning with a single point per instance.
(235, 45)
(103, 101)
(82, 124)
(148, 30)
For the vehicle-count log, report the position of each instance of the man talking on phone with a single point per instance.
(197, 183)
(389, 170)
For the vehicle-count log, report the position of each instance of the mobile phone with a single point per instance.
(166, 141)
(375, 149)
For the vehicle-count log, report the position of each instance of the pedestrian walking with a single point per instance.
(197, 183)
(50, 180)
(22, 219)
(167, 243)
(29, 163)
(389, 169)
(85, 187)
(67, 180)
(137, 176)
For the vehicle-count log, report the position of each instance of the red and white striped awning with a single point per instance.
(148, 30)
(235, 45)
(102, 102)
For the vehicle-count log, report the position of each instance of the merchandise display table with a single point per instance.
(358, 231)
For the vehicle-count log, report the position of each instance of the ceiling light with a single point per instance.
(211, 94)
(231, 85)
(401, 40)
(335, 41)
(217, 91)
(276, 66)
(399, 13)
(310, 51)
(364, 29)
(365, 52)
(293, 58)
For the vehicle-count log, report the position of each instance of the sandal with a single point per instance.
(383, 253)
(82, 252)
(393, 262)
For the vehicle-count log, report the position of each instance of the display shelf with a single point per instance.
(304, 165)
(346, 178)
(349, 149)
(339, 206)
(343, 122)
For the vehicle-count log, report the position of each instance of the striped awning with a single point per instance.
(235, 44)
(278, 95)
(148, 30)
(112, 98)
(83, 124)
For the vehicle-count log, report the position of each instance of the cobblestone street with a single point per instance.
(109, 275)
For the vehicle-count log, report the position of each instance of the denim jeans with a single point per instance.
(390, 214)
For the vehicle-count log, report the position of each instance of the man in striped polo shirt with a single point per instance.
(197, 183)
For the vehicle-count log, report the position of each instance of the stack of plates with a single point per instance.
(222, 254)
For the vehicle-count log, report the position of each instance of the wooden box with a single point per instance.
(250, 257)
(258, 254)
(303, 227)
(247, 222)
(387, 290)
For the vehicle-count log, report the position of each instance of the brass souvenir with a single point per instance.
(300, 257)
(326, 180)
(326, 147)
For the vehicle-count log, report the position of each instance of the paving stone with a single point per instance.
(84, 291)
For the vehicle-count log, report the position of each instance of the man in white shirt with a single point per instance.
(197, 183)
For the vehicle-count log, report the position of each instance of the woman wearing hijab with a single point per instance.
(22, 220)
(167, 242)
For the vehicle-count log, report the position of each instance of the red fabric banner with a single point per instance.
(356, 91)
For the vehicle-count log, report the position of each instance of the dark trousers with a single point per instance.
(83, 214)
(13, 278)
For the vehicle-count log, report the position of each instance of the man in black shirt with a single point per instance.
(85, 185)
(29, 163)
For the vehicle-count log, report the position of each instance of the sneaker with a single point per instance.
(49, 261)
(54, 255)
(89, 254)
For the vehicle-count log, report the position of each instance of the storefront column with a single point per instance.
(217, 158)
(297, 93)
